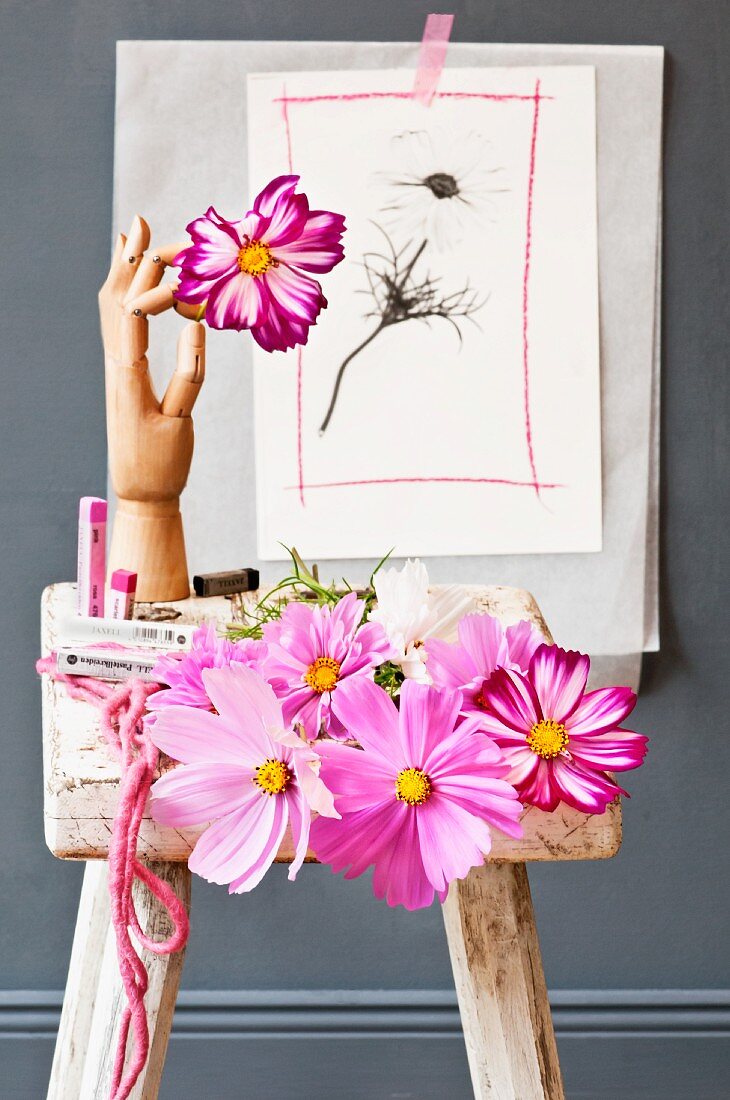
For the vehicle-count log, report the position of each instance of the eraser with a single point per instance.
(123, 581)
(226, 584)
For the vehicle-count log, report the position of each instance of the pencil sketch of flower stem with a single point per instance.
(400, 296)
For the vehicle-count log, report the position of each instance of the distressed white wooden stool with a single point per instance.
(489, 919)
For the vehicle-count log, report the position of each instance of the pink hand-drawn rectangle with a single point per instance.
(534, 98)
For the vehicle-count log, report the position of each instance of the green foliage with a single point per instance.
(301, 584)
(390, 677)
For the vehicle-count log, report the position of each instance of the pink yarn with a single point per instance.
(122, 707)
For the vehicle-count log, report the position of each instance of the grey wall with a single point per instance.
(651, 920)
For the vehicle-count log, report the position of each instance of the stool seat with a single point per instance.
(81, 779)
(489, 919)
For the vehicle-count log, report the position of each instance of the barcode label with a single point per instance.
(163, 636)
(130, 631)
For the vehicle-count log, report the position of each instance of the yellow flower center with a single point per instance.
(272, 776)
(548, 738)
(322, 675)
(412, 786)
(255, 258)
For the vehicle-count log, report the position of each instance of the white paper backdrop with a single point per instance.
(181, 144)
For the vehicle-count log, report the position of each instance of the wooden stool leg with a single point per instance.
(164, 979)
(500, 984)
(92, 923)
(94, 998)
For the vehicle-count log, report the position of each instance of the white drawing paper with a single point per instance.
(155, 175)
(448, 401)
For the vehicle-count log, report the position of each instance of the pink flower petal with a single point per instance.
(371, 717)
(512, 700)
(286, 223)
(243, 698)
(193, 290)
(357, 840)
(449, 666)
(300, 819)
(586, 790)
(196, 737)
(317, 794)
(211, 261)
(212, 230)
(467, 746)
(494, 727)
(601, 710)
(617, 751)
(539, 790)
(318, 248)
(424, 715)
(237, 301)
(492, 800)
(196, 793)
(523, 638)
(358, 779)
(233, 844)
(294, 297)
(560, 678)
(451, 840)
(251, 877)
(301, 708)
(483, 638)
(279, 332)
(523, 764)
(279, 188)
(399, 874)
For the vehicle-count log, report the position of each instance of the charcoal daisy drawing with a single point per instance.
(441, 186)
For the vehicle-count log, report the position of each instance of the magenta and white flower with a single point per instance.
(558, 739)
(183, 672)
(418, 799)
(410, 614)
(483, 645)
(315, 656)
(253, 273)
(242, 771)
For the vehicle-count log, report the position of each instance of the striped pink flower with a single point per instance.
(558, 739)
(254, 273)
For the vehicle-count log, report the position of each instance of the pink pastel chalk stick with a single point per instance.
(92, 557)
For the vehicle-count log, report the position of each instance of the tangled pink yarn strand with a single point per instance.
(122, 708)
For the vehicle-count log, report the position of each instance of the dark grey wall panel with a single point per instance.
(654, 917)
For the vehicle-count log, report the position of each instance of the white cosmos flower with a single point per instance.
(409, 614)
(441, 185)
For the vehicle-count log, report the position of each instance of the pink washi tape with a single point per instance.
(434, 44)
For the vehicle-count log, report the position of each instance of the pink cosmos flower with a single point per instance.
(418, 799)
(251, 272)
(183, 672)
(315, 656)
(559, 740)
(241, 771)
(484, 644)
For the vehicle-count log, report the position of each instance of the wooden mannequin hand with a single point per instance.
(150, 441)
